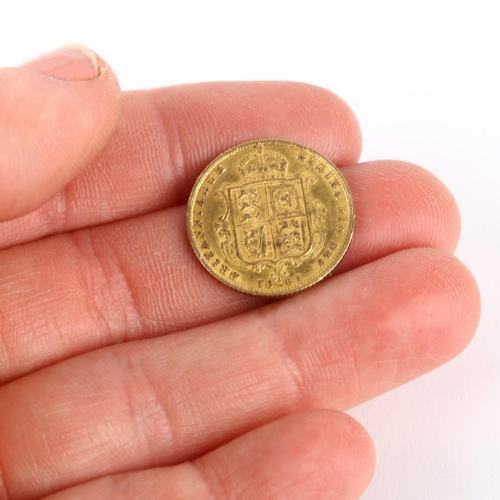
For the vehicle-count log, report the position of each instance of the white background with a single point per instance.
(424, 80)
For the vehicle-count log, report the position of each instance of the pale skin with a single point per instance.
(127, 371)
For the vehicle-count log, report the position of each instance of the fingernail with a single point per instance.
(72, 62)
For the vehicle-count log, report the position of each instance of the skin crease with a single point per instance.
(127, 371)
(172, 134)
(183, 407)
(278, 457)
(118, 306)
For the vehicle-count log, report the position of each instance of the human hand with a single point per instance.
(128, 371)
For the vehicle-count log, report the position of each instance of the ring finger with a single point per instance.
(72, 293)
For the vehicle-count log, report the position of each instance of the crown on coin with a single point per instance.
(260, 165)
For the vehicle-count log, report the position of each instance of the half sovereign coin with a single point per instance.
(270, 217)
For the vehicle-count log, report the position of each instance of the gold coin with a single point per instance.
(270, 217)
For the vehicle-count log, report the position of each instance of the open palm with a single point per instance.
(127, 371)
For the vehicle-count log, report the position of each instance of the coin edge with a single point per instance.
(192, 200)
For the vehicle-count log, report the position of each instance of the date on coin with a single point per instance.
(270, 217)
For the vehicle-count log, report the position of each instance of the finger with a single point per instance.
(167, 136)
(134, 279)
(311, 455)
(161, 401)
(56, 113)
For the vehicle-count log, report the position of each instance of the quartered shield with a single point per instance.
(270, 220)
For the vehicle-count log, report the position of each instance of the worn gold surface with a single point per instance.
(270, 217)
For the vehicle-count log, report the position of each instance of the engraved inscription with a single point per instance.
(270, 217)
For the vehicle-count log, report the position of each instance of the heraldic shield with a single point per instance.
(270, 220)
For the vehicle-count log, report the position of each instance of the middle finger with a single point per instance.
(134, 279)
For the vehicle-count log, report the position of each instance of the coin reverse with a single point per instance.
(270, 217)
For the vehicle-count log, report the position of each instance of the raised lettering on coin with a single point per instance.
(276, 215)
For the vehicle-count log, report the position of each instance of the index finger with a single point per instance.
(167, 136)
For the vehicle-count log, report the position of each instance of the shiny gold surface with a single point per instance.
(270, 217)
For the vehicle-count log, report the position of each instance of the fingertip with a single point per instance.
(344, 447)
(425, 189)
(329, 112)
(459, 303)
(307, 455)
(399, 206)
(433, 311)
(56, 114)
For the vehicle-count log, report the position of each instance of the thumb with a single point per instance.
(56, 113)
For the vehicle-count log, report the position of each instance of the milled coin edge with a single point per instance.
(190, 214)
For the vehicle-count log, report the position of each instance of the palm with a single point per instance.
(120, 354)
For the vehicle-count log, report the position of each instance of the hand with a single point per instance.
(128, 371)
